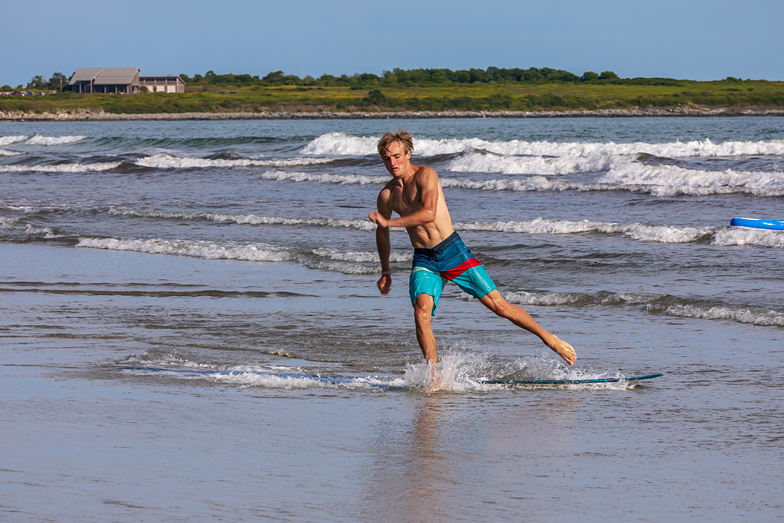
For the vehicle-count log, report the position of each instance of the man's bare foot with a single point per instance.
(563, 349)
(433, 383)
(434, 387)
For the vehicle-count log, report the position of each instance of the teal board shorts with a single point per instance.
(450, 260)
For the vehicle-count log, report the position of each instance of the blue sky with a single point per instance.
(689, 39)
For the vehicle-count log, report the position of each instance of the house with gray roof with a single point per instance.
(106, 80)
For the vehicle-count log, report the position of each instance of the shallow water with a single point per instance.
(192, 331)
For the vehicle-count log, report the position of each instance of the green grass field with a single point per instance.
(560, 96)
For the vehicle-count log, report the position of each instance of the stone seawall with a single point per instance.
(100, 115)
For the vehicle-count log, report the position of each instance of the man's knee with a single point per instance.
(423, 309)
(496, 303)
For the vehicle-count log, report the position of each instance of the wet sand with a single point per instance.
(84, 441)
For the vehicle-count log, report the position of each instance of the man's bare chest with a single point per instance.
(405, 200)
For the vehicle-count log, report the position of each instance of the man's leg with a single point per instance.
(423, 311)
(496, 303)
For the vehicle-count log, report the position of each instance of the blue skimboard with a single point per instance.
(776, 225)
(570, 382)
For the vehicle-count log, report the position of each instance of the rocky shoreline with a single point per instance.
(100, 115)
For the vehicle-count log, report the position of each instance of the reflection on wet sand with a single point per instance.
(425, 467)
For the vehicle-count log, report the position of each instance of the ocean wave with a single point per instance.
(653, 304)
(637, 231)
(341, 144)
(250, 219)
(8, 140)
(660, 181)
(740, 315)
(14, 224)
(737, 236)
(62, 168)
(372, 257)
(6, 152)
(675, 181)
(54, 140)
(197, 249)
(342, 262)
(494, 163)
(343, 268)
(167, 161)
(528, 184)
(325, 178)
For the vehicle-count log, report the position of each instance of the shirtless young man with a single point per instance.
(439, 254)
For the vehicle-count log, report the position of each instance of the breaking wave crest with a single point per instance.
(14, 224)
(738, 236)
(652, 304)
(5, 152)
(167, 161)
(674, 181)
(197, 249)
(324, 178)
(726, 236)
(62, 168)
(637, 231)
(54, 140)
(341, 144)
(494, 163)
(317, 259)
(8, 140)
(250, 219)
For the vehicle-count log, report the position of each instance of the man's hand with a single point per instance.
(377, 218)
(384, 284)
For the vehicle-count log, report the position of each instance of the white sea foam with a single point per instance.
(62, 168)
(636, 177)
(344, 268)
(529, 184)
(494, 163)
(372, 257)
(8, 140)
(261, 376)
(342, 262)
(637, 231)
(759, 317)
(460, 371)
(54, 140)
(650, 303)
(168, 161)
(251, 219)
(197, 249)
(324, 178)
(10, 224)
(740, 236)
(6, 152)
(341, 144)
(664, 180)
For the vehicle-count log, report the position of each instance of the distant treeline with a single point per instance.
(394, 78)
(421, 77)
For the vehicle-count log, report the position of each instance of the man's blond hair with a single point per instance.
(389, 138)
